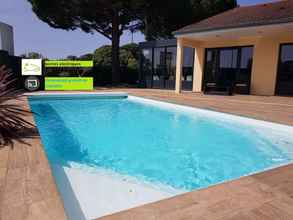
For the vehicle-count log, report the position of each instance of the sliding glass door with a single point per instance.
(164, 67)
(285, 71)
(170, 67)
(243, 75)
(158, 66)
(187, 68)
(147, 66)
(226, 67)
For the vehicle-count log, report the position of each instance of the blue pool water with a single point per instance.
(156, 143)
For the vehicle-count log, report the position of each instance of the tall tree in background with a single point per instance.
(155, 18)
(87, 56)
(107, 17)
(102, 56)
(129, 53)
(161, 18)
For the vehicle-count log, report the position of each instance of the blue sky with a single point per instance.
(31, 34)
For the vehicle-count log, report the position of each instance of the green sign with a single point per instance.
(69, 83)
(69, 63)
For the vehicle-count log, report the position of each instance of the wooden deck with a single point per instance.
(28, 190)
(27, 187)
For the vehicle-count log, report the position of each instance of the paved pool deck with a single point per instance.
(264, 196)
(28, 190)
(27, 187)
(269, 108)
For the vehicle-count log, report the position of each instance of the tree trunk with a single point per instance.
(115, 49)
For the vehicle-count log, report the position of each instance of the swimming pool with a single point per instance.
(151, 149)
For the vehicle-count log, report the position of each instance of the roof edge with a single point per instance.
(266, 23)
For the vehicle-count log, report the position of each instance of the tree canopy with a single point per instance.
(88, 15)
(161, 18)
(111, 18)
(103, 56)
(129, 55)
(71, 57)
(107, 17)
(87, 56)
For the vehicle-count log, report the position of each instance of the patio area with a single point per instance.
(28, 190)
(269, 108)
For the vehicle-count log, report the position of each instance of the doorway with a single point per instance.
(229, 67)
(284, 84)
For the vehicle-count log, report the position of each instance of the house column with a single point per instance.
(179, 64)
(198, 69)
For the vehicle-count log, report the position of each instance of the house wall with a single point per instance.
(265, 60)
(264, 68)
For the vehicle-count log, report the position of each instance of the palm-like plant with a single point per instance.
(12, 113)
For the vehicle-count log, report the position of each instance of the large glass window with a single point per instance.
(170, 67)
(211, 65)
(228, 58)
(171, 62)
(243, 75)
(285, 71)
(228, 67)
(159, 67)
(188, 57)
(147, 65)
(187, 71)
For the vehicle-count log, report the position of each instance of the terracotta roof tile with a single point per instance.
(261, 14)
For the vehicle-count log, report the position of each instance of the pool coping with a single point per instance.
(213, 113)
(114, 216)
(238, 117)
(52, 94)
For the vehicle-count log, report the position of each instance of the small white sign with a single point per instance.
(31, 67)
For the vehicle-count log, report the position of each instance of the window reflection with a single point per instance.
(171, 67)
(228, 67)
(285, 72)
(171, 62)
(159, 67)
(188, 57)
(243, 75)
(147, 66)
(187, 68)
(228, 58)
(246, 57)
